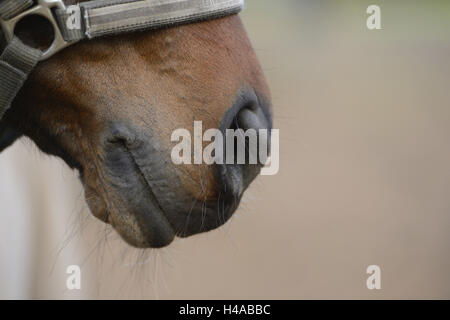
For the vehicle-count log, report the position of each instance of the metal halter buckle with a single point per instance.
(42, 8)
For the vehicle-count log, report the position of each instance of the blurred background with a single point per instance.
(364, 118)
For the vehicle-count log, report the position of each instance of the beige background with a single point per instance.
(364, 118)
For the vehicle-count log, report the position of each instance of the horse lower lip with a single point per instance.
(153, 221)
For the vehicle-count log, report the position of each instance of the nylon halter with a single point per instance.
(88, 20)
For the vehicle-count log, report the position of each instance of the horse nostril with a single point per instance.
(254, 134)
(252, 118)
(250, 126)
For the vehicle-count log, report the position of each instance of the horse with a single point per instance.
(108, 108)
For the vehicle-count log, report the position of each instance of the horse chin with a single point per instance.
(132, 211)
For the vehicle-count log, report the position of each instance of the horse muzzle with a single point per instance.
(149, 202)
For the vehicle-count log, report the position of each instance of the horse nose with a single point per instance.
(247, 122)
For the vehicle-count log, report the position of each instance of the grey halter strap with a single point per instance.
(88, 20)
